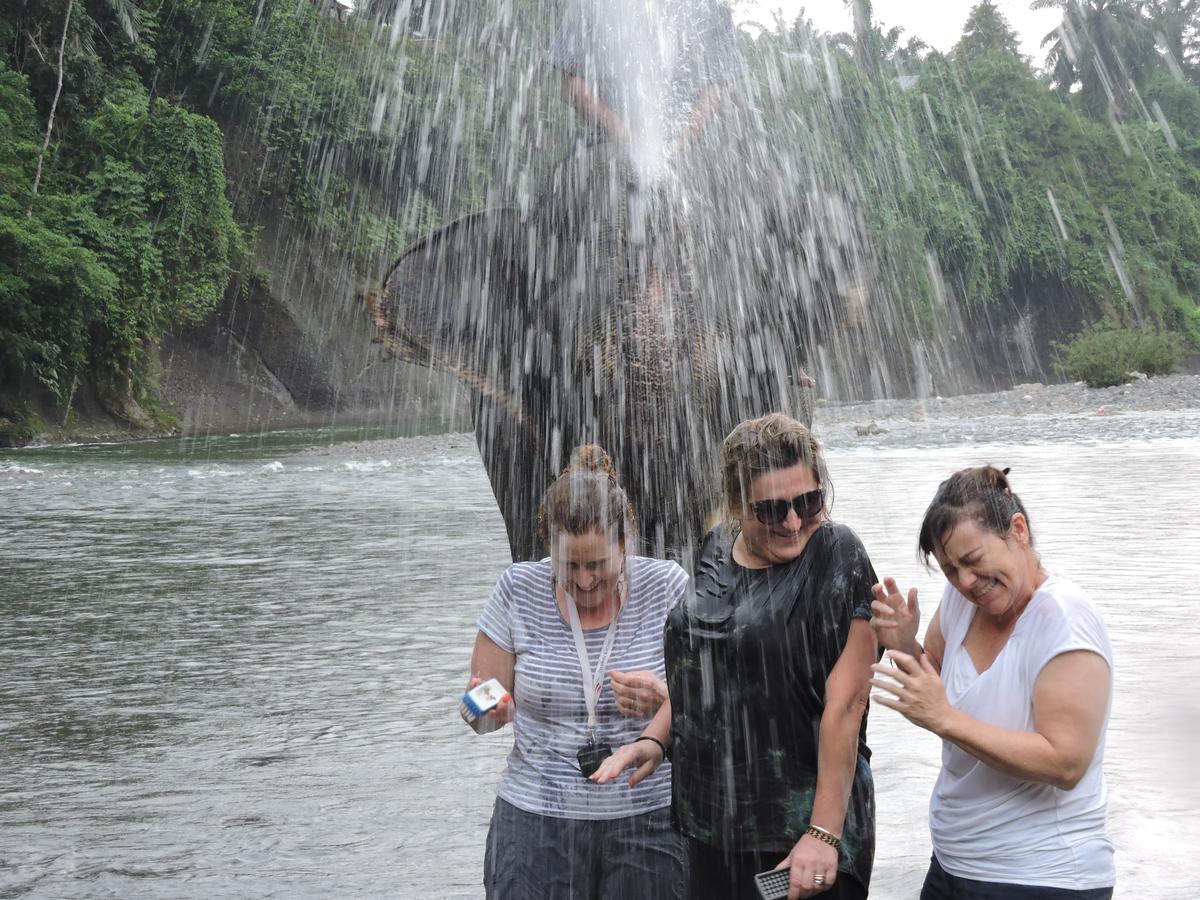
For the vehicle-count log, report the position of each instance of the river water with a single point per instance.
(229, 667)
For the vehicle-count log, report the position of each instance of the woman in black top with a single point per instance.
(768, 668)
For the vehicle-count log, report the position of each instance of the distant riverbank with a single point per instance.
(836, 422)
(1165, 393)
(1068, 411)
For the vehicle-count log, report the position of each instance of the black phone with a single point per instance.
(773, 885)
(590, 756)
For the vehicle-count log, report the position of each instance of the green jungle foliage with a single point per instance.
(1106, 354)
(983, 183)
(128, 232)
(185, 130)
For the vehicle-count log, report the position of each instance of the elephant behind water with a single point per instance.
(605, 312)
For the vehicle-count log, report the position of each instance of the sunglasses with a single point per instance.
(772, 512)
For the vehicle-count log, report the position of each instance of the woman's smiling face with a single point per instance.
(588, 566)
(769, 545)
(996, 573)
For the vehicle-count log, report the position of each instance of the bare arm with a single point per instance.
(846, 693)
(660, 725)
(1070, 699)
(708, 104)
(591, 108)
(490, 660)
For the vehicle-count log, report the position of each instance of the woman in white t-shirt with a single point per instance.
(578, 640)
(1015, 677)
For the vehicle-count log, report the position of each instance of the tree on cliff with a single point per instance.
(980, 186)
(985, 30)
(1176, 26)
(1105, 47)
(118, 227)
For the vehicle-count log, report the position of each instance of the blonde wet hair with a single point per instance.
(766, 444)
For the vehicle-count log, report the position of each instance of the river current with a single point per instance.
(229, 667)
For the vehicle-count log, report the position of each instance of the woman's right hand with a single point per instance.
(496, 717)
(638, 694)
(894, 620)
(644, 757)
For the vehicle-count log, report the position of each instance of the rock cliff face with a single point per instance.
(293, 348)
(298, 350)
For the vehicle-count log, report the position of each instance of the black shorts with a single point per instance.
(941, 885)
(532, 857)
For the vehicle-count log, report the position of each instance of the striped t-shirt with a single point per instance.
(550, 726)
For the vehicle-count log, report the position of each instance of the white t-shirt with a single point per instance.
(550, 725)
(989, 826)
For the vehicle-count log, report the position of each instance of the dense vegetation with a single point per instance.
(1106, 354)
(1001, 192)
(144, 143)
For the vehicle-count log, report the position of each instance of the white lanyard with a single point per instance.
(592, 681)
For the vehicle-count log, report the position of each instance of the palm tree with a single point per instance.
(1176, 25)
(902, 56)
(1106, 47)
(867, 39)
(872, 47)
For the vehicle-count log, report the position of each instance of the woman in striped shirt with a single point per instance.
(578, 640)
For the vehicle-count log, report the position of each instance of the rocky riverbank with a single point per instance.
(1168, 392)
(1067, 409)
(1144, 409)
(838, 423)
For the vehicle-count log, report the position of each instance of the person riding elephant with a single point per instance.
(648, 74)
(610, 305)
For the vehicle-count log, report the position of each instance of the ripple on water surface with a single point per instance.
(235, 675)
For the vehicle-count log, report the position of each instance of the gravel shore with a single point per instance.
(1165, 393)
(1070, 412)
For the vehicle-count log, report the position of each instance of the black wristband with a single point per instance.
(661, 745)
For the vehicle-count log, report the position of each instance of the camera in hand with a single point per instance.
(590, 756)
(482, 699)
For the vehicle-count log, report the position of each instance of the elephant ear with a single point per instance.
(454, 295)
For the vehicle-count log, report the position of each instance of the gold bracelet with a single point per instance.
(827, 837)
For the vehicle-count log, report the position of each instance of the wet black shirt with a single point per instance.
(748, 654)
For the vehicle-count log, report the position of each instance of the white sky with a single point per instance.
(938, 23)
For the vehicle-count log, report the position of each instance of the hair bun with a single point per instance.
(586, 496)
(997, 476)
(591, 458)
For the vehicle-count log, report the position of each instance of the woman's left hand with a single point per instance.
(644, 757)
(814, 866)
(915, 690)
(638, 694)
